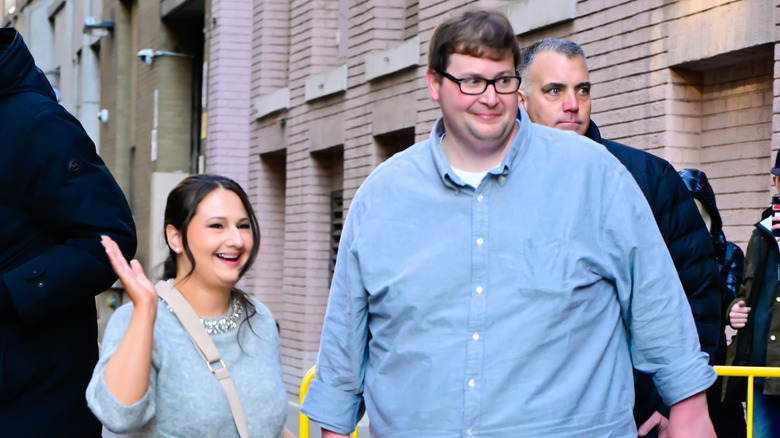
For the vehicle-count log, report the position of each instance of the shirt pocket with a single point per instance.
(543, 265)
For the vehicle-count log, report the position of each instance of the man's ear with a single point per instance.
(174, 238)
(521, 98)
(433, 84)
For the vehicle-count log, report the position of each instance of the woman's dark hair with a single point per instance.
(182, 205)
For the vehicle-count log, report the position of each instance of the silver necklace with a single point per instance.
(222, 324)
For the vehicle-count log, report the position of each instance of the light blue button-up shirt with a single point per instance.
(503, 311)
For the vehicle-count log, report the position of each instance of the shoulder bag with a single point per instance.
(205, 346)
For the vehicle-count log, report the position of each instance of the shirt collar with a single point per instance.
(766, 226)
(513, 156)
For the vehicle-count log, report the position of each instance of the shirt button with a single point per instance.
(772, 337)
(501, 178)
(479, 289)
(479, 199)
(468, 431)
(40, 284)
(480, 241)
(475, 336)
(471, 383)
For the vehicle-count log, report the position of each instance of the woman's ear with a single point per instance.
(174, 238)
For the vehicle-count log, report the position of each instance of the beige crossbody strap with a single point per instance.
(205, 346)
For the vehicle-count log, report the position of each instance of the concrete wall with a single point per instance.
(54, 32)
(154, 109)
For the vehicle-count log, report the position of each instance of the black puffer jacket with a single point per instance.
(731, 259)
(689, 244)
(727, 416)
(57, 199)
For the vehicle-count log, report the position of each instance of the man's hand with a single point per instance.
(689, 418)
(656, 420)
(738, 315)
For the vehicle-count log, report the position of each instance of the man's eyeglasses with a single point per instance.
(474, 86)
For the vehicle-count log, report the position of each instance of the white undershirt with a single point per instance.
(471, 178)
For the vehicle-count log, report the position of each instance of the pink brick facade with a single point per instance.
(230, 25)
(667, 80)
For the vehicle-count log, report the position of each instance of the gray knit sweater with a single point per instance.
(184, 399)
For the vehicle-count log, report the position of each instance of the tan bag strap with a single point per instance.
(205, 346)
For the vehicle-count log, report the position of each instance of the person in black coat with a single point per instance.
(727, 416)
(57, 199)
(755, 313)
(555, 92)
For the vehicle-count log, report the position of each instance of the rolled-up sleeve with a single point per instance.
(662, 333)
(335, 395)
(115, 416)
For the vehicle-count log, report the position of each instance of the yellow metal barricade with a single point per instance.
(303, 421)
(750, 373)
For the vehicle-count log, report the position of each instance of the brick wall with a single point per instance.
(229, 25)
(736, 142)
(662, 88)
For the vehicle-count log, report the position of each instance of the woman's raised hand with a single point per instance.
(138, 287)
(127, 371)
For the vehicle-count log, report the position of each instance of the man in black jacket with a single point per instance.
(755, 313)
(57, 199)
(555, 92)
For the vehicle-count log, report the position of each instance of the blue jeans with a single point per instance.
(766, 413)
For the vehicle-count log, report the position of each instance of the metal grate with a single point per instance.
(336, 225)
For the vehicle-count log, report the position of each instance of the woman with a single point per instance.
(150, 376)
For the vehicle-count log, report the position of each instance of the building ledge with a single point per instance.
(54, 8)
(400, 57)
(327, 83)
(271, 103)
(526, 16)
(182, 9)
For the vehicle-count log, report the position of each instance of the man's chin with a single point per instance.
(568, 126)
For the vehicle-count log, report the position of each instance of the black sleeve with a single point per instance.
(647, 399)
(68, 192)
(735, 263)
(691, 249)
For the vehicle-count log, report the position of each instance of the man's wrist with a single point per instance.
(690, 418)
(693, 405)
(330, 434)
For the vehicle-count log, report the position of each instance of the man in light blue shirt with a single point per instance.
(499, 278)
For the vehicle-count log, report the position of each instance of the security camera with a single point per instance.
(146, 55)
(102, 115)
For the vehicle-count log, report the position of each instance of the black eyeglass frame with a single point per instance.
(488, 82)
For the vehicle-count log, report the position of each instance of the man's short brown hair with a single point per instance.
(481, 34)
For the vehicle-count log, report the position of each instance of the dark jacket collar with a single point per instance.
(593, 132)
(18, 72)
(699, 187)
(761, 225)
